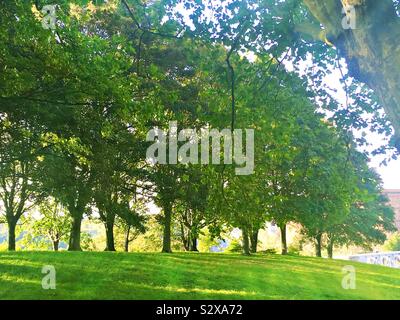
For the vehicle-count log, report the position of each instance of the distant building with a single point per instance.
(394, 197)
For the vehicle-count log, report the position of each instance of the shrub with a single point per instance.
(235, 246)
(269, 251)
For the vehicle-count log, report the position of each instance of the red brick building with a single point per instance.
(394, 197)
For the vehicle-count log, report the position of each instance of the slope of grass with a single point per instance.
(104, 275)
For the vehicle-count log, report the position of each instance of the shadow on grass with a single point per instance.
(86, 275)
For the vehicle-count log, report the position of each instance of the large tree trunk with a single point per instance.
(254, 241)
(167, 229)
(75, 235)
(318, 245)
(246, 242)
(109, 226)
(282, 227)
(372, 50)
(11, 234)
(193, 244)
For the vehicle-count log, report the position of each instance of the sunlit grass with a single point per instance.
(105, 275)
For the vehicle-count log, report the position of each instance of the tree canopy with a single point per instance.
(78, 100)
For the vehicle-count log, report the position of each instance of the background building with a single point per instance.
(394, 197)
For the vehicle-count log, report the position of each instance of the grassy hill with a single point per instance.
(105, 275)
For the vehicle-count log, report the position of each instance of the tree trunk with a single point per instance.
(193, 244)
(330, 248)
(185, 240)
(167, 229)
(109, 225)
(254, 241)
(282, 227)
(126, 247)
(75, 235)
(56, 244)
(318, 245)
(186, 244)
(246, 242)
(11, 234)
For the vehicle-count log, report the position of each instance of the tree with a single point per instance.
(19, 187)
(370, 55)
(72, 112)
(166, 182)
(297, 152)
(286, 31)
(192, 207)
(70, 182)
(17, 195)
(54, 223)
(370, 217)
(81, 141)
(133, 222)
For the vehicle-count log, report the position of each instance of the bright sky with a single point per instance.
(390, 174)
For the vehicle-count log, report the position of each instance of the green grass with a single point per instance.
(104, 275)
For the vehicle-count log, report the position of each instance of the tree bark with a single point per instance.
(75, 235)
(11, 234)
(330, 248)
(193, 244)
(282, 227)
(126, 246)
(109, 226)
(254, 241)
(318, 245)
(246, 242)
(56, 244)
(185, 239)
(167, 229)
(372, 49)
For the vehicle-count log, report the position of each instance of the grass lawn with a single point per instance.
(106, 275)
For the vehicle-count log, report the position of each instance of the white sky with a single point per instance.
(390, 174)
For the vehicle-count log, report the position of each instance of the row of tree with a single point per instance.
(76, 104)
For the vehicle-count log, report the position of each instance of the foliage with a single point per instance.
(393, 243)
(77, 102)
(235, 246)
